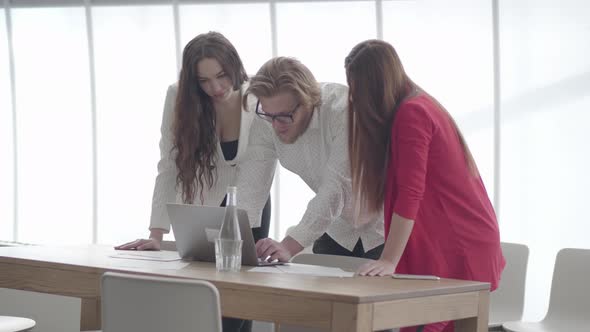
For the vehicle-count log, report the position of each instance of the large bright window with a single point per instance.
(544, 159)
(320, 34)
(6, 139)
(54, 129)
(246, 26)
(446, 48)
(135, 62)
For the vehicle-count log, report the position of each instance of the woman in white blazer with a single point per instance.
(204, 134)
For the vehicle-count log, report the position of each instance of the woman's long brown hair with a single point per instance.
(195, 138)
(378, 84)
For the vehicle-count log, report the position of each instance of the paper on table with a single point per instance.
(310, 270)
(314, 270)
(144, 264)
(267, 269)
(162, 256)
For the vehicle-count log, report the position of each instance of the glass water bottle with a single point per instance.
(228, 247)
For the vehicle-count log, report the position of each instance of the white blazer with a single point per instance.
(165, 190)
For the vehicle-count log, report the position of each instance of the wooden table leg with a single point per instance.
(352, 317)
(479, 323)
(90, 314)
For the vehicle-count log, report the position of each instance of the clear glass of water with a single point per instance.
(228, 255)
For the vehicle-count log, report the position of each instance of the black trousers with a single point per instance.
(236, 324)
(326, 245)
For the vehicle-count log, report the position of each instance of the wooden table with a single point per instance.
(335, 304)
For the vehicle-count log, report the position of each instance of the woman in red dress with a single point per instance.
(409, 158)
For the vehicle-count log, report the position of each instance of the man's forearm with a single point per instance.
(292, 245)
(157, 234)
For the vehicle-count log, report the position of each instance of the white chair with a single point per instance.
(569, 303)
(51, 313)
(507, 302)
(257, 326)
(134, 303)
(15, 324)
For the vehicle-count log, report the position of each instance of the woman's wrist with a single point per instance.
(388, 258)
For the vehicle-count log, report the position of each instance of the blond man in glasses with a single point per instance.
(303, 124)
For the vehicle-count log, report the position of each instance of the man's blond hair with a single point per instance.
(285, 74)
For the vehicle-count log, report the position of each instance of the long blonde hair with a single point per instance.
(285, 74)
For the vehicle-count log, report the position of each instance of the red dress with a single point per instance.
(455, 232)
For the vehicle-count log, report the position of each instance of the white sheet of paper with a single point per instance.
(314, 270)
(310, 270)
(267, 269)
(162, 256)
(143, 264)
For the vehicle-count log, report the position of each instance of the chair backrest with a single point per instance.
(570, 291)
(51, 313)
(347, 263)
(15, 324)
(134, 303)
(507, 302)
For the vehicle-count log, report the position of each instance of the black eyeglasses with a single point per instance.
(286, 118)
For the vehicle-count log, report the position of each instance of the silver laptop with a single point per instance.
(196, 228)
